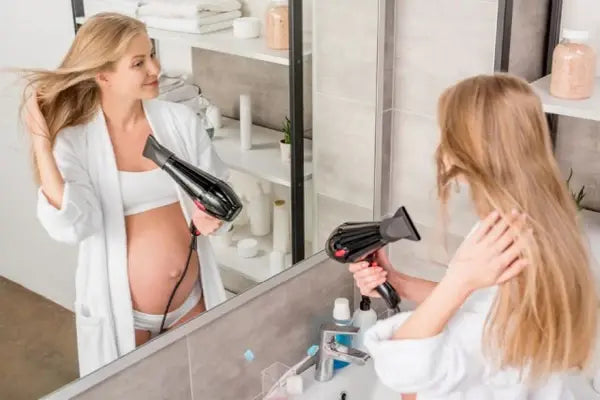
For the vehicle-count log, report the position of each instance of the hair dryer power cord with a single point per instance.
(187, 264)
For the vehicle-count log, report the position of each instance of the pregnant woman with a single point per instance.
(89, 120)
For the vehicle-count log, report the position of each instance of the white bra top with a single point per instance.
(143, 191)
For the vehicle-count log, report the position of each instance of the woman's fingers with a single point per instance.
(500, 228)
(369, 278)
(485, 226)
(513, 270)
(355, 267)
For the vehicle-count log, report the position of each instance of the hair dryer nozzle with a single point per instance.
(156, 152)
(400, 226)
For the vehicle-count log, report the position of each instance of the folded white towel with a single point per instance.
(185, 8)
(183, 93)
(126, 7)
(186, 25)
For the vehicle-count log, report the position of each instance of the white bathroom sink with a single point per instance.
(358, 382)
(361, 383)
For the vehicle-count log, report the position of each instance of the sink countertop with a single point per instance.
(361, 382)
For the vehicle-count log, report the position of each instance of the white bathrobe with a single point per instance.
(451, 366)
(92, 216)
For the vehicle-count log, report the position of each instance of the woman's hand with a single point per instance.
(368, 278)
(204, 223)
(35, 122)
(491, 255)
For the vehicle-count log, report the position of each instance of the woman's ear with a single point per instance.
(102, 79)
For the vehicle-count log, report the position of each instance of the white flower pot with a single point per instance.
(286, 152)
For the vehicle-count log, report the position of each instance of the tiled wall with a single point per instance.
(437, 43)
(224, 77)
(344, 95)
(208, 364)
(528, 38)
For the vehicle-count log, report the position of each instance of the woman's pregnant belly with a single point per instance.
(157, 247)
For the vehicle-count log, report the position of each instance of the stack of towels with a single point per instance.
(190, 16)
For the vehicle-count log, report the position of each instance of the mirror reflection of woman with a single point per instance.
(516, 310)
(89, 120)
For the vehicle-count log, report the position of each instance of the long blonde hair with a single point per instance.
(495, 135)
(69, 95)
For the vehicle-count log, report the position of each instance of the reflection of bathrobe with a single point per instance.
(92, 215)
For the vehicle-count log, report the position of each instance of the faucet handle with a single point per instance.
(333, 329)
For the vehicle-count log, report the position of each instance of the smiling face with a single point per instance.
(135, 75)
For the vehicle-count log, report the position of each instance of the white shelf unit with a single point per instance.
(585, 109)
(255, 268)
(224, 42)
(263, 160)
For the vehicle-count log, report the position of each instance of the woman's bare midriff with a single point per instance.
(157, 248)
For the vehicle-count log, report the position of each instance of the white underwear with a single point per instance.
(151, 322)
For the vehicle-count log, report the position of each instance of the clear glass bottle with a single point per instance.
(277, 25)
(573, 67)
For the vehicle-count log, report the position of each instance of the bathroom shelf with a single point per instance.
(224, 42)
(263, 160)
(586, 109)
(256, 268)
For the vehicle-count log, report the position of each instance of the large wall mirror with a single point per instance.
(87, 271)
(290, 103)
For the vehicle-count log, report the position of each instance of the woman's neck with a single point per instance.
(122, 114)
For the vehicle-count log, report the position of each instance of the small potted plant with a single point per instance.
(285, 143)
(577, 197)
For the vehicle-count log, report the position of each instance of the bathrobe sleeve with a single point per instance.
(80, 214)
(435, 366)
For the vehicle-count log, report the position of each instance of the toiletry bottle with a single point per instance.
(364, 318)
(342, 317)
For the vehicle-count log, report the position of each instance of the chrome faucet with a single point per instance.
(330, 350)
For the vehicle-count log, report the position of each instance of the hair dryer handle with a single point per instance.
(389, 294)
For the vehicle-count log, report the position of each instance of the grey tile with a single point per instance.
(333, 212)
(438, 43)
(278, 327)
(223, 77)
(389, 53)
(577, 147)
(386, 178)
(436, 246)
(528, 36)
(344, 146)
(162, 376)
(414, 141)
(345, 49)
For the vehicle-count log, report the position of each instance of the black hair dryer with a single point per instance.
(357, 241)
(210, 194)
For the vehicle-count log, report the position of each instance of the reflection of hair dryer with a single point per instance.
(210, 194)
(357, 241)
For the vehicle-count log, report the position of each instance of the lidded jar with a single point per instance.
(573, 66)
